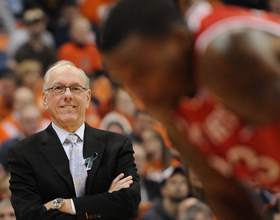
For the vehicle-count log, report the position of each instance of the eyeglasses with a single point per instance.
(62, 89)
(11, 215)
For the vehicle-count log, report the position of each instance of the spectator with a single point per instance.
(68, 12)
(103, 93)
(198, 211)
(29, 118)
(124, 109)
(35, 48)
(114, 121)
(159, 156)
(11, 125)
(175, 188)
(81, 50)
(185, 204)
(33, 19)
(9, 84)
(149, 189)
(125, 104)
(116, 127)
(6, 210)
(141, 120)
(52, 9)
(30, 72)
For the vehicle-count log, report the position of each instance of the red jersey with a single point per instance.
(231, 146)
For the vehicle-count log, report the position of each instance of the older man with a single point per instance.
(71, 170)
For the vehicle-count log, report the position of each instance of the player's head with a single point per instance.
(145, 17)
(146, 46)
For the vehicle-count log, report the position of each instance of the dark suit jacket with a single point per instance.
(40, 173)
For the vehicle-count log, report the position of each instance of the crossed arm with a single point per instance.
(118, 183)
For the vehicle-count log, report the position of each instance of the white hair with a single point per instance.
(59, 64)
(200, 207)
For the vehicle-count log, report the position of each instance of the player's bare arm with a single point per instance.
(242, 68)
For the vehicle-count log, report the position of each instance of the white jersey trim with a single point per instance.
(234, 23)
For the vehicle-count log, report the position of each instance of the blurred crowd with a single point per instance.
(33, 35)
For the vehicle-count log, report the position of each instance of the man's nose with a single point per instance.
(67, 93)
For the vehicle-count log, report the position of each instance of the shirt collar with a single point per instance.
(62, 134)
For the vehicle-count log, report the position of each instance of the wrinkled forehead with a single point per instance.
(6, 209)
(66, 74)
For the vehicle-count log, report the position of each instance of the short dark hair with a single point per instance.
(11, 75)
(145, 17)
(171, 171)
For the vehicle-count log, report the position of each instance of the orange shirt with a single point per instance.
(87, 57)
(4, 109)
(3, 136)
(102, 90)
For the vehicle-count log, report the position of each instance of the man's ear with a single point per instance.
(88, 98)
(44, 100)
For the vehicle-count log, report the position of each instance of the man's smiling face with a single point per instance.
(67, 109)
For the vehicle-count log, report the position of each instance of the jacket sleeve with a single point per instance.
(26, 198)
(121, 204)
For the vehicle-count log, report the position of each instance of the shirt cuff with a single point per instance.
(73, 207)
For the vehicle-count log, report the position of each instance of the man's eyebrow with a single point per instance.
(62, 84)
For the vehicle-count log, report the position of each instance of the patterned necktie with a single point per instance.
(77, 168)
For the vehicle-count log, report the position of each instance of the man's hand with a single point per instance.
(119, 183)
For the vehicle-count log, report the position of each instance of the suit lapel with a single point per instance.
(92, 146)
(53, 151)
